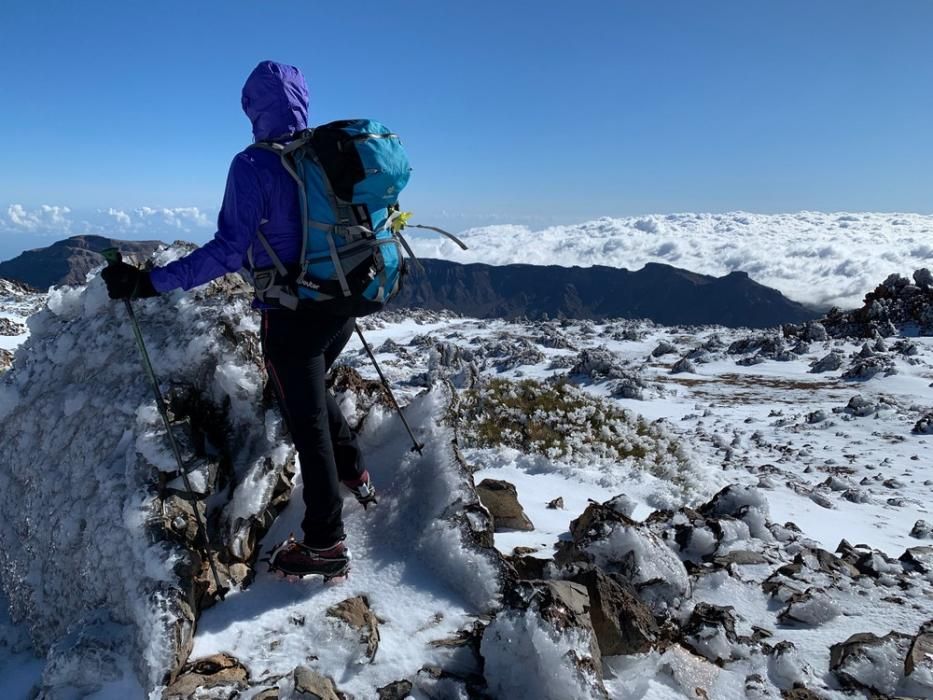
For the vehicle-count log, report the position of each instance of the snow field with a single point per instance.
(740, 424)
(744, 424)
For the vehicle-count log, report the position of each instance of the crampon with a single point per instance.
(294, 560)
(363, 490)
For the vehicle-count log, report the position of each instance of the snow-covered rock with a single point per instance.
(85, 471)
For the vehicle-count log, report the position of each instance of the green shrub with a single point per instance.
(563, 423)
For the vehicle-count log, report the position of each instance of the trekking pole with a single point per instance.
(112, 256)
(418, 446)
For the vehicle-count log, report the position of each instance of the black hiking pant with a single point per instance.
(299, 347)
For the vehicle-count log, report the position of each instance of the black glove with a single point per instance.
(127, 282)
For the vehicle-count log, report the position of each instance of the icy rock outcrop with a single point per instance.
(599, 364)
(710, 632)
(683, 366)
(893, 305)
(543, 644)
(924, 426)
(509, 352)
(88, 484)
(828, 363)
(644, 560)
(865, 367)
(218, 675)
(10, 327)
(663, 348)
(605, 537)
(745, 503)
(810, 332)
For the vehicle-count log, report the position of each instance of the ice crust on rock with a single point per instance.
(81, 450)
(647, 562)
(526, 657)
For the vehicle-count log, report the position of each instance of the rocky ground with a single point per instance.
(17, 303)
(676, 512)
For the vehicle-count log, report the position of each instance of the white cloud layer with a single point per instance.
(34, 220)
(59, 221)
(812, 257)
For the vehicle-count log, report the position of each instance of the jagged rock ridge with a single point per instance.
(661, 293)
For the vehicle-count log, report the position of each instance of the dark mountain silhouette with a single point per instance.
(68, 261)
(664, 294)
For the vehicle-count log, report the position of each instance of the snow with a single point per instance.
(816, 258)
(865, 478)
(409, 560)
(526, 659)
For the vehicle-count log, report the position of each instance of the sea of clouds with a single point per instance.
(821, 259)
(816, 258)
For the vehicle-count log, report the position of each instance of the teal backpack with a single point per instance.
(349, 175)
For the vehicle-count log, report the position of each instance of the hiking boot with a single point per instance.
(293, 558)
(363, 489)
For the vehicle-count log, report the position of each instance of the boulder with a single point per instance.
(710, 632)
(397, 690)
(828, 363)
(306, 684)
(868, 662)
(918, 559)
(922, 530)
(360, 617)
(683, 365)
(623, 624)
(920, 655)
(218, 671)
(813, 607)
(501, 500)
(924, 426)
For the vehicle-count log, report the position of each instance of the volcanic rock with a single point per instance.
(501, 499)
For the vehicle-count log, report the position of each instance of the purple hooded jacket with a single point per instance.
(275, 98)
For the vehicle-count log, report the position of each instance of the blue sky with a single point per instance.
(518, 112)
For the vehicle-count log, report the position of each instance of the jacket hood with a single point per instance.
(275, 98)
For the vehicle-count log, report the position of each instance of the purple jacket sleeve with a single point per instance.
(237, 223)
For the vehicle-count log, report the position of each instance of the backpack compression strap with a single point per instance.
(342, 213)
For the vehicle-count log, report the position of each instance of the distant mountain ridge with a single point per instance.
(68, 261)
(661, 293)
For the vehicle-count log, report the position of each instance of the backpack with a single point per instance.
(349, 176)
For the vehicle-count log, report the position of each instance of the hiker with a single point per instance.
(299, 344)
